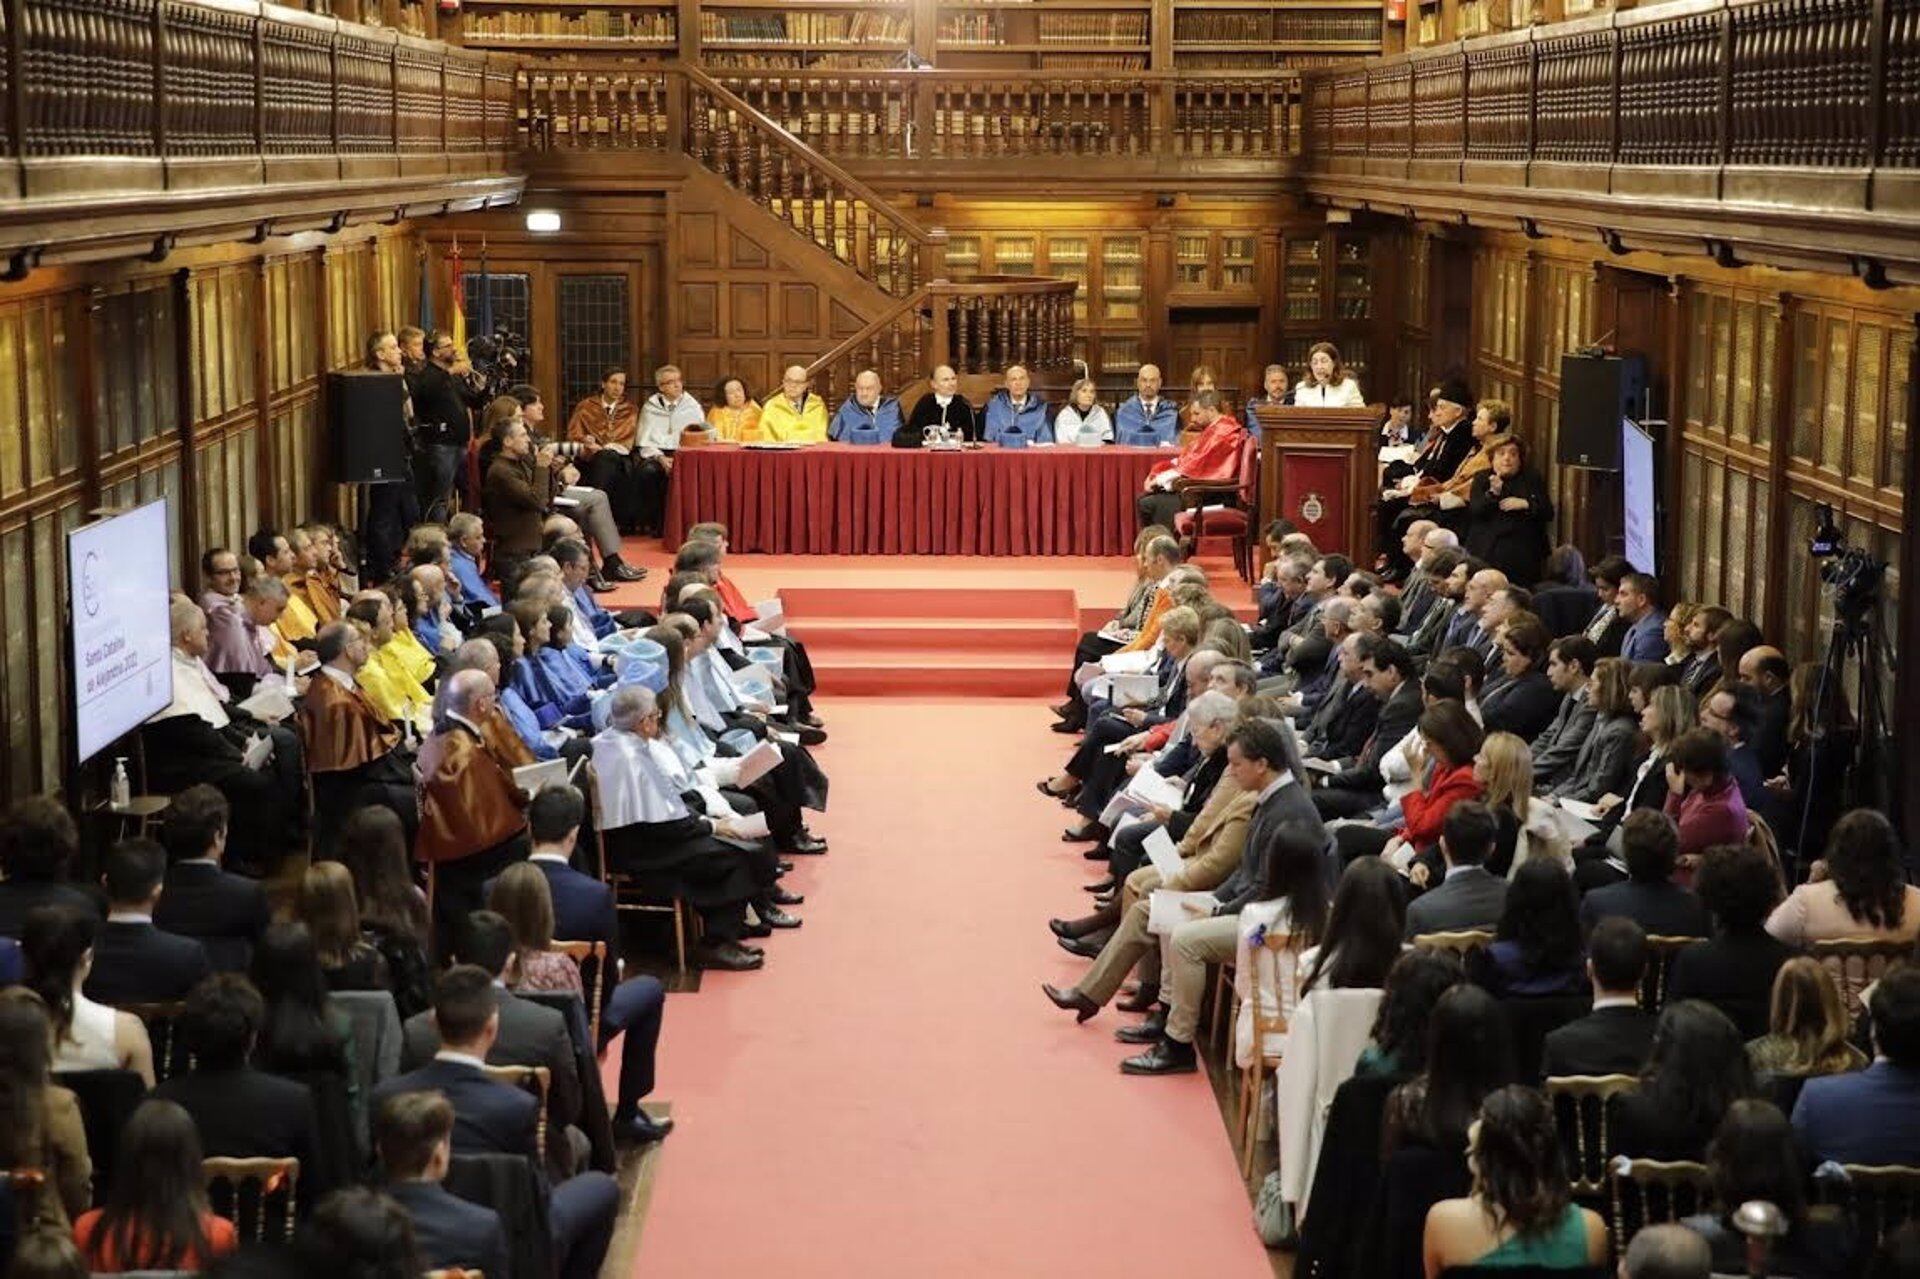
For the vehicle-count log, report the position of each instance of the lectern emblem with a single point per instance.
(1312, 508)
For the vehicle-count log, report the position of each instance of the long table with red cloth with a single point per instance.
(842, 499)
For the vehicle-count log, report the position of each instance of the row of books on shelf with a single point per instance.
(797, 61)
(1333, 26)
(863, 27)
(970, 28)
(591, 24)
(1093, 28)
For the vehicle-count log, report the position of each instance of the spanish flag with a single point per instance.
(459, 295)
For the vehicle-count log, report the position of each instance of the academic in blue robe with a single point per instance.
(1133, 424)
(854, 423)
(1030, 422)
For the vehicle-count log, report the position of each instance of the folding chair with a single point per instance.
(1858, 962)
(594, 982)
(1650, 1192)
(159, 1019)
(1264, 1063)
(1660, 955)
(233, 1183)
(626, 896)
(537, 1080)
(1878, 1199)
(1580, 1113)
(1461, 944)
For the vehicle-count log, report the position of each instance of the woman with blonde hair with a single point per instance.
(1225, 635)
(522, 897)
(1082, 420)
(1327, 384)
(1604, 764)
(1504, 767)
(1807, 1028)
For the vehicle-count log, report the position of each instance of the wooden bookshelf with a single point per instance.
(1024, 34)
(1246, 34)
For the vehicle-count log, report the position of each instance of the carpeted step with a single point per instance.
(947, 674)
(916, 634)
(969, 640)
(969, 603)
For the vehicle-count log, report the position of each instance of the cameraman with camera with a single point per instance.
(590, 509)
(443, 406)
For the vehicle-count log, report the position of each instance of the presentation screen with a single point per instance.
(1638, 492)
(118, 585)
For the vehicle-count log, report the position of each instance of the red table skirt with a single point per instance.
(838, 499)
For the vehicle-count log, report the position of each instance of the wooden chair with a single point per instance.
(537, 1080)
(1653, 983)
(230, 1180)
(1461, 944)
(1655, 1191)
(1760, 834)
(628, 898)
(1237, 521)
(1254, 1077)
(1580, 1112)
(595, 984)
(1222, 1008)
(1878, 1199)
(159, 1019)
(1858, 962)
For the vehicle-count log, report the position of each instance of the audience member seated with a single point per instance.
(1696, 1068)
(1731, 710)
(867, 415)
(1509, 513)
(664, 416)
(413, 1137)
(1473, 623)
(1564, 601)
(1467, 897)
(1014, 414)
(1667, 1252)
(1664, 718)
(1398, 1045)
(133, 961)
(1614, 1038)
(735, 415)
(1570, 666)
(325, 903)
(496, 1118)
(244, 644)
(1734, 969)
(1447, 445)
(42, 1127)
(224, 912)
(1645, 637)
(1649, 896)
(472, 813)
(353, 753)
(1604, 762)
(1082, 420)
(1448, 743)
(1754, 1156)
(1388, 672)
(1703, 799)
(521, 897)
(1807, 1030)
(393, 689)
(300, 1035)
(1859, 891)
(392, 909)
(1521, 1211)
(240, 1110)
(942, 407)
(1360, 945)
(1871, 1116)
(357, 1231)
(1210, 456)
(57, 949)
(1327, 384)
(607, 427)
(1293, 905)
(1146, 418)
(796, 415)
(1771, 675)
(1257, 760)
(156, 1215)
(1536, 946)
(1523, 702)
(38, 842)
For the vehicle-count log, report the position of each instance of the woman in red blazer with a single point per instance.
(1449, 740)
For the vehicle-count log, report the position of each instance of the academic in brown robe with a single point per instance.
(468, 802)
(342, 729)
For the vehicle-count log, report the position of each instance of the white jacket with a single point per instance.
(1324, 1041)
(1344, 394)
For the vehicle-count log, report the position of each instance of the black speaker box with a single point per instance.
(367, 416)
(1596, 392)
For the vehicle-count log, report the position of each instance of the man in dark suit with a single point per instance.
(242, 1112)
(1388, 671)
(1258, 763)
(134, 962)
(1871, 1116)
(492, 1118)
(413, 1135)
(38, 841)
(1351, 712)
(1615, 1038)
(1522, 701)
(224, 912)
(1648, 896)
(1469, 897)
(1767, 669)
(1570, 662)
(1733, 711)
(583, 910)
(1645, 639)
(528, 1034)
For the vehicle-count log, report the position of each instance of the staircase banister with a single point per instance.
(907, 305)
(760, 120)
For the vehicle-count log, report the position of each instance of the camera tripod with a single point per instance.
(1855, 642)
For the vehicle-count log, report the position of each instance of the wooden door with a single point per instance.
(1223, 340)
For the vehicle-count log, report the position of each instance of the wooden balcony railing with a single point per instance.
(1804, 106)
(891, 121)
(980, 324)
(111, 101)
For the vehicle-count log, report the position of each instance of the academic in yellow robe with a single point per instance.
(781, 421)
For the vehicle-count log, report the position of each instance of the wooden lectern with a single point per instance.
(1318, 469)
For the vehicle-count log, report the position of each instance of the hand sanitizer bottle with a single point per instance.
(120, 790)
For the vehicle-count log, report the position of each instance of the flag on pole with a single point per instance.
(426, 292)
(459, 295)
(486, 292)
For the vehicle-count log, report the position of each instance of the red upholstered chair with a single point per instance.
(1235, 521)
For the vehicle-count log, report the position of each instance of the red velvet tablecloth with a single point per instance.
(840, 499)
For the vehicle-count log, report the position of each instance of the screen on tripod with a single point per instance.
(1639, 496)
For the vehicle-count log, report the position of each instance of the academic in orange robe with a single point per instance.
(468, 802)
(343, 731)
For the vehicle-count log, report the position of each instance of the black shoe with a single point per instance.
(761, 929)
(781, 897)
(598, 584)
(1070, 998)
(620, 571)
(729, 956)
(809, 735)
(1140, 1001)
(641, 1128)
(1045, 789)
(1168, 1057)
(1104, 886)
(805, 843)
(774, 917)
(1065, 710)
(1083, 832)
(1079, 946)
(1098, 853)
(1150, 1031)
(813, 721)
(781, 867)
(1068, 726)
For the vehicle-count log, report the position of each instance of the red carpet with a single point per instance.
(892, 1095)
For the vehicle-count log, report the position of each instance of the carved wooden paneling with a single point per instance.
(749, 310)
(696, 236)
(1670, 91)
(210, 90)
(800, 310)
(700, 309)
(87, 77)
(744, 251)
